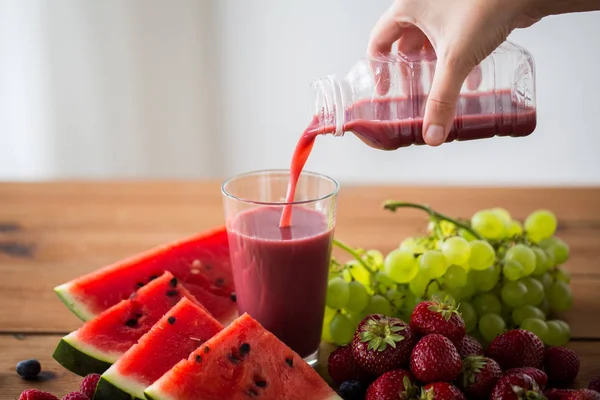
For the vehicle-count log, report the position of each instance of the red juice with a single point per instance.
(280, 274)
(391, 123)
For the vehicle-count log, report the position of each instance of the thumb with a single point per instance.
(440, 109)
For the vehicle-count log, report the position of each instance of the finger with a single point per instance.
(411, 43)
(441, 102)
(385, 32)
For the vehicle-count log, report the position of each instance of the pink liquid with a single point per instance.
(391, 123)
(280, 274)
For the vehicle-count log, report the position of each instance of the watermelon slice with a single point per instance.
(244, 361)
(101, 341)
(201, 262)
(167, 343)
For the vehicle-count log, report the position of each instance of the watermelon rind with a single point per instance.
(78, 308)
(81, 361)
(107, 390)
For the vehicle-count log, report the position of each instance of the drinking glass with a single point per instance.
(280, 274)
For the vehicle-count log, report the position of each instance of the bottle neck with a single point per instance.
(331, 98)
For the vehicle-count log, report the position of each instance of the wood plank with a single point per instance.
(59, 381)
(53, 232)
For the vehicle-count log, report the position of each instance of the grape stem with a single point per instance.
(393, 205)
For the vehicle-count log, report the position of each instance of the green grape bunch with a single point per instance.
(502, 272)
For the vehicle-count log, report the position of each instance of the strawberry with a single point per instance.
(517, 348)
(435, 358)
(469, 346)
(381, 344)
(34, 394)
(88, 385)
(479, 376)
(341, 367)
(582, 394)
(595, 384)
(441, 391)
(516, 387)
(557, 394)
(561, 364)
(393, 385)
(75, 396)
(438, 317)
(538, 375)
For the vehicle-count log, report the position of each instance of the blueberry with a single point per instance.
(352, 390)
(29, 369)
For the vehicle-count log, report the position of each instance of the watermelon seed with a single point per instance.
(173, 282)
(172, 293)
(261, 383)
(139, 315)
(153, 277)
(220, 282)
(233, 297)
(132, 322)
(171, 320)
(206, 349)
(198, 359)
(244, 349)
(289, 362)
(139, 284)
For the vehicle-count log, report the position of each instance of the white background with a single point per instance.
(209, 88)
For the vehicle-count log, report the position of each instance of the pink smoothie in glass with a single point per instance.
(280, 274)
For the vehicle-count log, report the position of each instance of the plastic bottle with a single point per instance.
(382, 101)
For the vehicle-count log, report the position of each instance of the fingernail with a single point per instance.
(434, 135)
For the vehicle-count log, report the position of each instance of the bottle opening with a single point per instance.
(328, 105)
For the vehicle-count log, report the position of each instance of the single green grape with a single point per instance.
(536, 326)
(566, 328)
(382, 278)
(545, 305)
(546, 280)
(456, 250)
(482, 255)
(418, 285)
(541, 262)
(491, 325)
(486, 279)
(503, 214)
(522, 313)
(560, 296)
(378, 305)
(540, 225)
(469, 315)
(487, 303)
(513, 270)
(360, 273)
(488, 224)
(358, 298)
(341, 329)
(513, 293)
(375, 258)
(396, 298)
(433, 263)
(524, 256)
(401, 266)
(514, 229)
(338, 293)
(562, 275)
(413, 245)
(355, 318)
(557, 335)
(557, 248)
(535, 291)
(455, 277)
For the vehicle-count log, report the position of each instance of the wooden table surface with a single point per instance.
(53, 232)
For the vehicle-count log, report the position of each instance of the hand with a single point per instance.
(462, 33)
